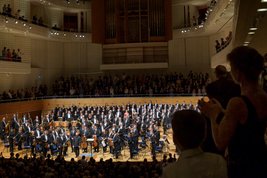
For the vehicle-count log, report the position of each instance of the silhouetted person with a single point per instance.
(189, 129)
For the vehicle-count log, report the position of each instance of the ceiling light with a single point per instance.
(263, 0)
(251, 33)
(253, 28)
(245, 45)
(246, 42)
(262, 10)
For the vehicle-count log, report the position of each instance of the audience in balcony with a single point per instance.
(28, 93)
(11, 56)
(6, 10)
(119, 85)
(224, 42)
(126, 85)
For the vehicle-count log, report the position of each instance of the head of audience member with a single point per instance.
(189, 129)
(246, 64)
(220, 71)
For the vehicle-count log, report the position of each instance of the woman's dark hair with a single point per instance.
(247, 60)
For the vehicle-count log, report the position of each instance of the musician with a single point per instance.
(11, 140)
(134, 134)
(65, 143)
(37, 133)
(19, 138)
(15, 124)
(36, 121)
(27, 130)
(117, 145)
(104, 136)
(33, 142)
(110, 140)
(3, 128)
(76, 144)
(53, 141)
(24, 119)
(60, 143)
(131, 144)
(45, 142)
(72, 135)
(152, 137)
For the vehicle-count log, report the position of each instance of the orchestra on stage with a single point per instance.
(105, 129)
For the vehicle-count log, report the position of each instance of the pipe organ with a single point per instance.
(131, 21)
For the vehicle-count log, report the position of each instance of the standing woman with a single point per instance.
(243, 126)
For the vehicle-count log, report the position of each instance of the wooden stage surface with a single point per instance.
(125, 153)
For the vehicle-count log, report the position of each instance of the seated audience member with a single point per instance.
(4, 9)
(19, 53)
(8, 54)
(9, 10)
(188, 134)
(4, 52)
(217, 46)
(222, 43)
(34, 19)
(14, 55)
(243, 126)
(17, 14)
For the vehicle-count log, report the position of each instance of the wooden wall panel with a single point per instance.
(98, 21)
(168, 20)
(8, 109)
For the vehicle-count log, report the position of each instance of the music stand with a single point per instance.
(91, 140)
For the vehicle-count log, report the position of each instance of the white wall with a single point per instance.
(24, 7)
(82, 57)
(11, 41)
(189, 54)
(54, 16)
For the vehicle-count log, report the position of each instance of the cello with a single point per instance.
(95, 143)
(84, 144)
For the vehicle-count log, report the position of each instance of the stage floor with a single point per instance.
(125, 153)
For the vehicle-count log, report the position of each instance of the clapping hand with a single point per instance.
(210, 108)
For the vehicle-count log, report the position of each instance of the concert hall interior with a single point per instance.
(97, 82)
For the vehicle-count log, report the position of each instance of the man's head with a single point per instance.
(189, 129)
(220, 71)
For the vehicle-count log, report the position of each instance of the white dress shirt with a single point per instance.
(194, 163)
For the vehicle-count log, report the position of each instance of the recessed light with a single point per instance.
(262, 10)
(253, 28)
(263, 0)
(251, 33)
(245, 45)
(246, 42)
